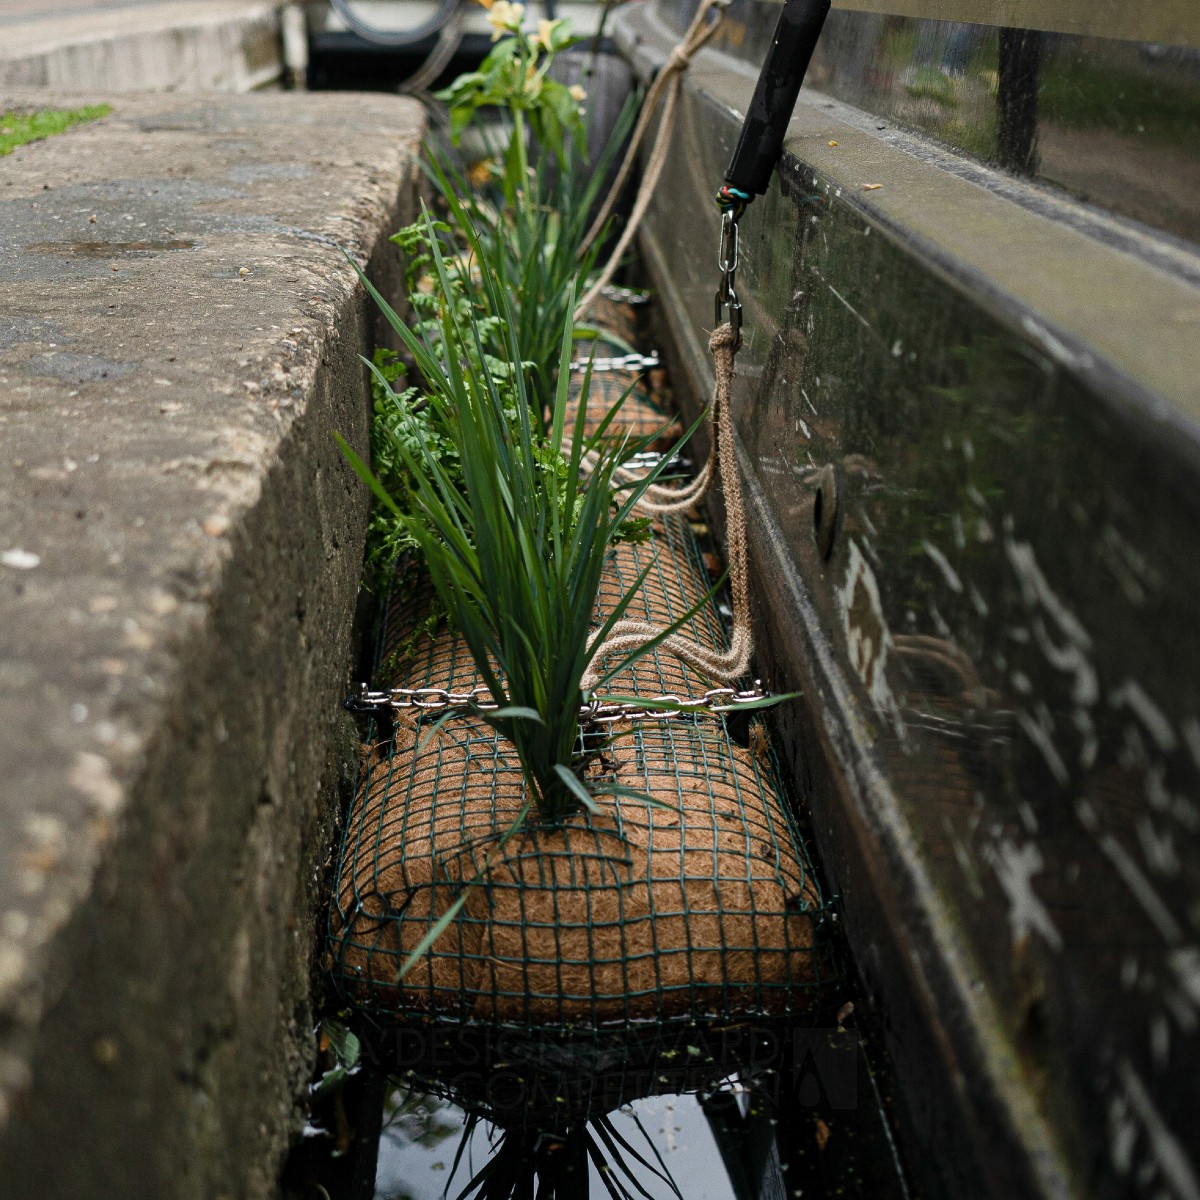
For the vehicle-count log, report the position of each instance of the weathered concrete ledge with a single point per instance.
(225, 45)
(180, 547)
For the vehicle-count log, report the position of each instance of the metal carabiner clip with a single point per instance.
(727, 252)
(727, 307)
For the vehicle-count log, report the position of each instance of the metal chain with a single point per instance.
(647, 460)
(430, 699)
(715, 700)
(624, 295)
(625, 362)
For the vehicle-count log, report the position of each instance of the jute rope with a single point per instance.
(661, 501)
(669, 81)
(657, 500)
(627, 635)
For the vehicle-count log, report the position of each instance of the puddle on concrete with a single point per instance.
(111, 249)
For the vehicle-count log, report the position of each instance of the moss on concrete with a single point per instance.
(18, 128)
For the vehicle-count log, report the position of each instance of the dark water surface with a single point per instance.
(423, 1136)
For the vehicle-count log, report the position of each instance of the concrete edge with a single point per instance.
(231, 45)
(163, 1026)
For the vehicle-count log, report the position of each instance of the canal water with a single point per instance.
(425, 1151)
(802, 1112)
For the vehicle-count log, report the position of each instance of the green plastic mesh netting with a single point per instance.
(703, 908)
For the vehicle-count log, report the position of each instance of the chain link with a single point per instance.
(715, 700)
(646, 460)
(430, 699)
(624, 362)
(624, 295)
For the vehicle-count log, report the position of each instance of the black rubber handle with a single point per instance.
(792, 47)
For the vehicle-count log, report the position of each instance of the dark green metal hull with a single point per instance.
(967, 411)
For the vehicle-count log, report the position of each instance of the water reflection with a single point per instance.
(495, 1114)
(659, 1148)
(741, 1113)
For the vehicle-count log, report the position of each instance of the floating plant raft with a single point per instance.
(701, 907)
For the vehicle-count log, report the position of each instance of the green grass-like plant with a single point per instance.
(539, 307)
(532, 244)
(515, 538)
(533, 217)
(16, 129)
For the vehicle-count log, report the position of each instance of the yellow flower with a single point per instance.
(486, 3)
(577, 93)
(480, 173)
(545, 33)
(505, 18)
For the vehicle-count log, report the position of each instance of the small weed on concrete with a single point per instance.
(18, 128)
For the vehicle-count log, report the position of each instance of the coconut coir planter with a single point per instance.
(702, 910)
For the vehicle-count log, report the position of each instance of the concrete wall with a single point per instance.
(180, 549)
(226, 45)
